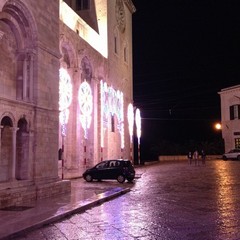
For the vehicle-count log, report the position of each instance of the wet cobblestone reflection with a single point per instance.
(170, 201)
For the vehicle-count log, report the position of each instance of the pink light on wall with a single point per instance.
(85, 100)
(138, 124)
(111, 104)
(65, 98)
(130, 127)
(130, 120)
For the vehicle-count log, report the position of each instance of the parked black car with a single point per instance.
(118, 169)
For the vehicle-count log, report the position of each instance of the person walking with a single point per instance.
(195, 157)
(189, 156)
(203, 154)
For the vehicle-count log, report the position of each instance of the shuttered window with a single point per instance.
(234, 112)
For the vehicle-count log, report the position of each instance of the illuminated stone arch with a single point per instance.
(112, 104)
(17, 23)
(67, 72)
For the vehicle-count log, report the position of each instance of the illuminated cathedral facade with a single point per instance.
(66, 92)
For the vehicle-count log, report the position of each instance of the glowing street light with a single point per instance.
(218, 126)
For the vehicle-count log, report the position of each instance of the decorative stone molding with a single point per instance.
(1, 34)
(130, 5)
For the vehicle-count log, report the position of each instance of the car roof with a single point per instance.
(115, 160)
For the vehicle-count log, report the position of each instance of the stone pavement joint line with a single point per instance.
(13, 223)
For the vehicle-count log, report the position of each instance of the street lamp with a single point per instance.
(218, 126)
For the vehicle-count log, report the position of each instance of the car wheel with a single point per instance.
(121, 179)
(224, 158)
(88, 178)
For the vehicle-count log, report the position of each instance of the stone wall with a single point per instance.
(183, 157)
(27, 193)
(29, 101)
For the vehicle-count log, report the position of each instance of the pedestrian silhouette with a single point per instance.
(203, 154)
(195, 157)
(189, 156)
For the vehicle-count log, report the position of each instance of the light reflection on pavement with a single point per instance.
(172, 201)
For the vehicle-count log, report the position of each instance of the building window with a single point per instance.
(234, 112)
(82, 5)
(125, 54)
(237, 142)
(24, 81)
(116, 41)
(115, 45)
(112, 123)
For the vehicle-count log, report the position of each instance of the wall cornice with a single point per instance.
(130, 5)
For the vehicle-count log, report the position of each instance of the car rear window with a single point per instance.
(127, 163)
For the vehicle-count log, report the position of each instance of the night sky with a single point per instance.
(184, 53)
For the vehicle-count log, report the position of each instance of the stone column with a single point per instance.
(1, 127)
(14, 137)
(31, 78)
(28, 77)
(25, 80)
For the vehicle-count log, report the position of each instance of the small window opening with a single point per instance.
(82, 5)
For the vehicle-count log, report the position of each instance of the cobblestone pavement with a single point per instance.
(169, 201)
